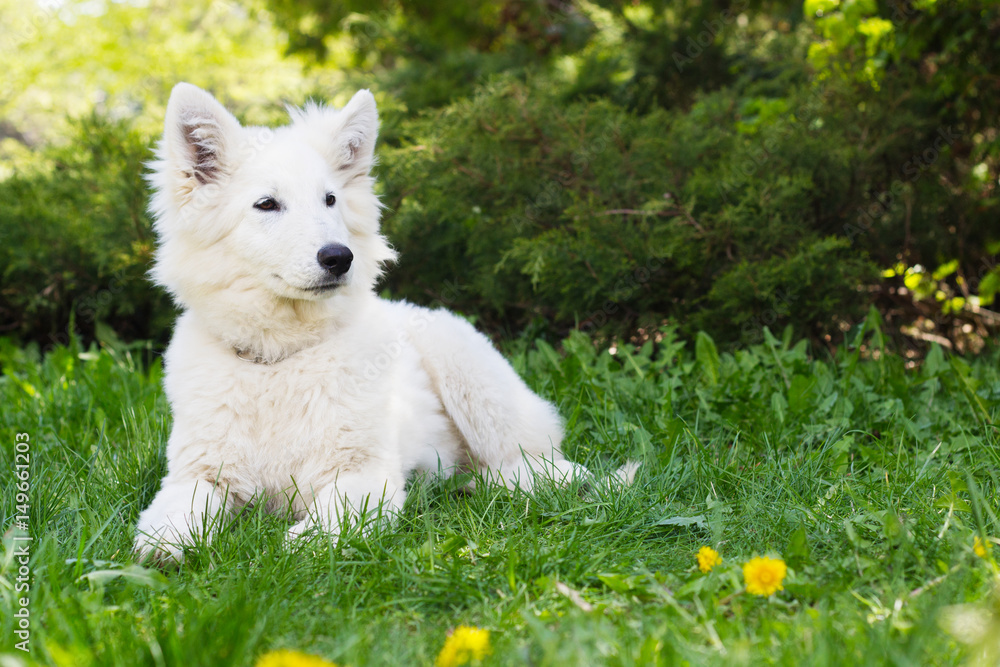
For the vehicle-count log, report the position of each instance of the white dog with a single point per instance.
(290, 381)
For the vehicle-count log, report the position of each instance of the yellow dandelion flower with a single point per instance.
(708, 558)
(286, 658)
(981, 548)
(763, 576)
(464, 646)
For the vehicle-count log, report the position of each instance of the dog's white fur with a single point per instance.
(281, 392)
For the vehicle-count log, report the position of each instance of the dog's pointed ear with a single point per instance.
(354, 144)
(199, 135)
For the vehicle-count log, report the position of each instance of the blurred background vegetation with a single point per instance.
(606, 165)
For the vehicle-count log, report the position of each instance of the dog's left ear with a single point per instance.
(354, 144)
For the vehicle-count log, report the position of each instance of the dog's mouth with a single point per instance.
(319, 287)
(324, 287)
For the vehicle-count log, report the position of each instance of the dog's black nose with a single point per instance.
(335, 258)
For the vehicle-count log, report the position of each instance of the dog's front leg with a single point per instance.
(182, 511)
(354, 498)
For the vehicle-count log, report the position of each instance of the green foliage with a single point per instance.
(766, 202)
(406, 28)
(871, 480)
(461, 43)
(76, 241)
(70, 59)
(588, 213)
(916, 72)
(768, 393)
(649, 53)
(610, 164)
(849, 25)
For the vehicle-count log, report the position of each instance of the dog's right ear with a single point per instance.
(199, 135)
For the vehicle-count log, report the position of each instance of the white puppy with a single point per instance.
(289, 380)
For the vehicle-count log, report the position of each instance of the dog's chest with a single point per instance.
(299, 418)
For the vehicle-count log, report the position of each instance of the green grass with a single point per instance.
(869, 479)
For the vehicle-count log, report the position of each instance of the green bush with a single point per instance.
(76, 241)
(585, 213)
(770, 200)
(610, 165)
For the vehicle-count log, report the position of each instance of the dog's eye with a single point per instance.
(330, 199)
(267, 204)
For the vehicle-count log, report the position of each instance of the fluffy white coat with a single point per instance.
(292, 384)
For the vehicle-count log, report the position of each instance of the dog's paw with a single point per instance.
(353, 505)
(625, 475)
(182, 514)
(162, 550)
(331, 526)
(352, 523)
(527, 472)
(163, 542)
(303, 527)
